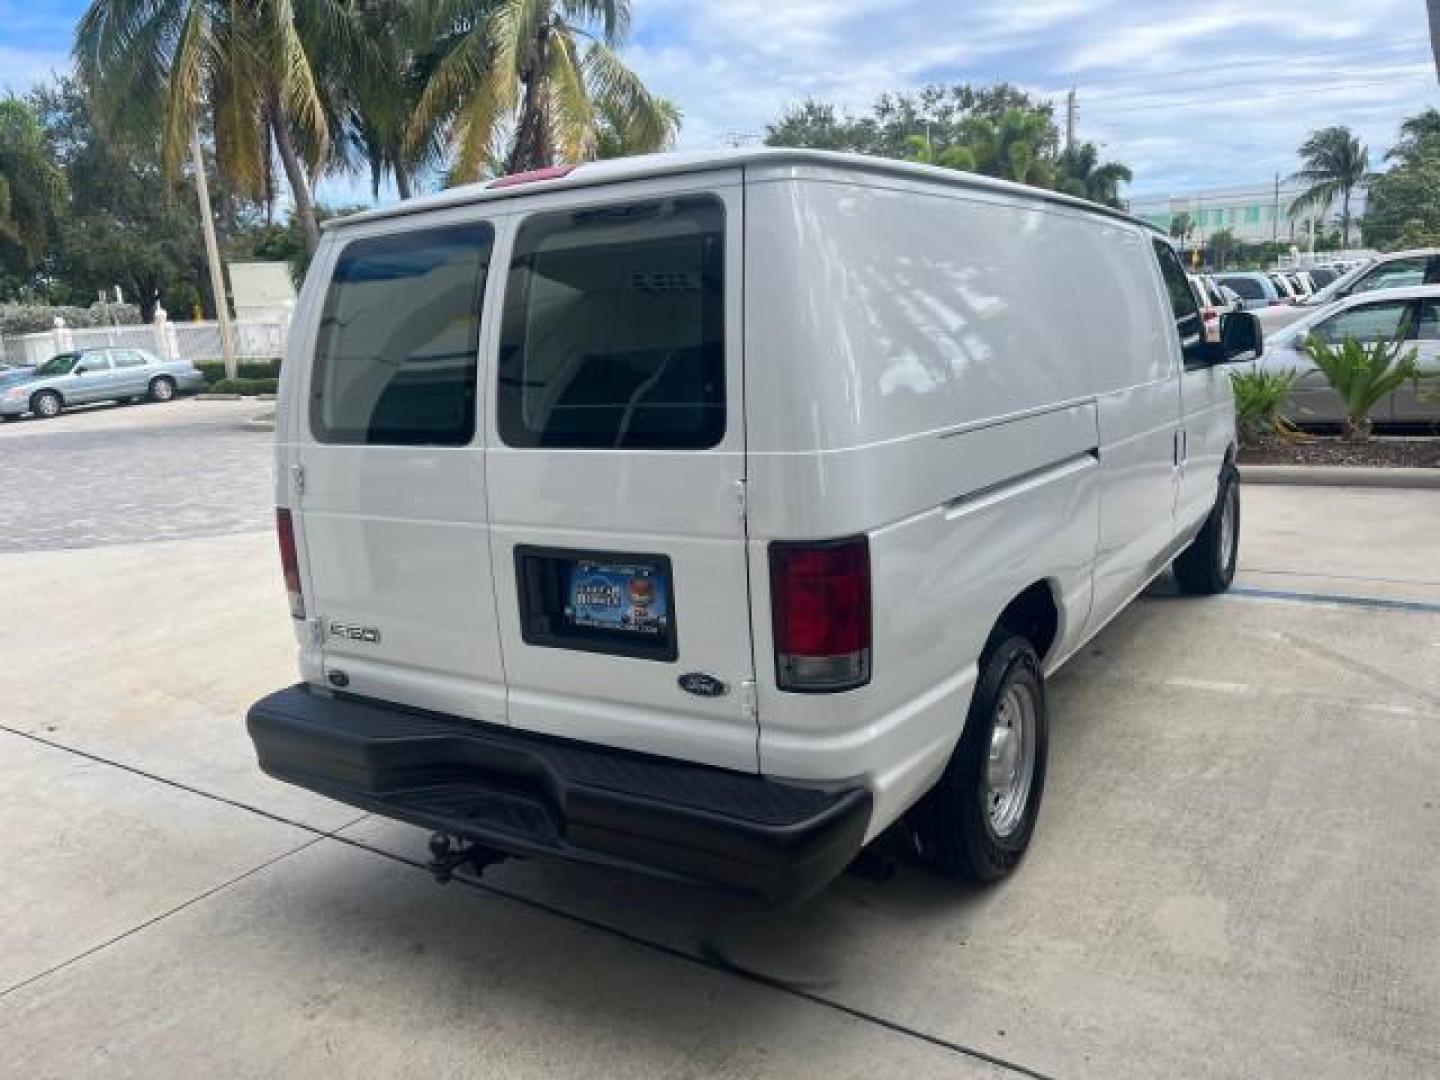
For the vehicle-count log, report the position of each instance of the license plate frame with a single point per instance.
(621, 603)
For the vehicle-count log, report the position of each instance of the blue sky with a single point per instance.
(1209, 93)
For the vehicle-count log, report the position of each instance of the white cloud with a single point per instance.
(21, 69)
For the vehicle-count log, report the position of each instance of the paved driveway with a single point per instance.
(1234, 873)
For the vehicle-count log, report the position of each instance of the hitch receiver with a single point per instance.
(450, 853)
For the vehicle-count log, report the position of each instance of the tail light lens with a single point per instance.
(820, 602)
(290, 562)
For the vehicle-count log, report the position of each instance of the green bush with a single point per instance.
(248, 387)
(1259, 398)
(214, 370)
(1363, 375)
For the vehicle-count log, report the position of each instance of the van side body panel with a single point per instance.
(901, 385)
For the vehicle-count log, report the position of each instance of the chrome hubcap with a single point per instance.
(48, 406)
(1010, 768)
(162, 391)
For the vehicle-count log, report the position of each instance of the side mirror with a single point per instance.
(1241, 339)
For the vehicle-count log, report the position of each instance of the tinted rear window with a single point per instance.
(613, 333)
(396, 352)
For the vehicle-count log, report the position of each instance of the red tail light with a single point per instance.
(290, 562)
(820, 600)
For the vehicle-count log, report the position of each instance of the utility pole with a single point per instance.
(1070, 119)
(212, 255)
(1275, 217)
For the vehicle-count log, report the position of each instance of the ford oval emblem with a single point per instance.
(697, 682)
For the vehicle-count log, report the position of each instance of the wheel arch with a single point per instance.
(46, 390)
(1034, 614)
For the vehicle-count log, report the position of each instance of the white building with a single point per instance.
(1255, 214)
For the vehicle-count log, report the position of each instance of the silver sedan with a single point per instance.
(91, 375)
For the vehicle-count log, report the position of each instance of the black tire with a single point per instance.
(46, 404)
(1207, 566)
(162, 388)
(953, 825)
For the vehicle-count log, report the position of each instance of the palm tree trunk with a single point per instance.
(1345, 220)
(532, 144)
(212, 255)
(294, 173)
(402, 184)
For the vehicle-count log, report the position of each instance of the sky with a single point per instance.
(1210, 93)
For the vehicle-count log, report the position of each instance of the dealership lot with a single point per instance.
(1233, 874)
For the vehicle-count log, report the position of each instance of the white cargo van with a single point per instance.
(708, 515)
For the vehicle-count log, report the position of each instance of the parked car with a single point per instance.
(1397, 270)
(765, 558)
(1411, 315)
(91, 375)
(1289, 292)
(1322, 276)
(1212, 304)
(1256, 290)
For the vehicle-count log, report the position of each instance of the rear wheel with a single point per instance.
(976, 823)
(1207, 566)
(46, 404)
(162, 388)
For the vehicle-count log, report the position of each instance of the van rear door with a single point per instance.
(391, 504)
(616, 469)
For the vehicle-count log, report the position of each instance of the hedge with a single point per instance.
(214, 370)
(248, 387)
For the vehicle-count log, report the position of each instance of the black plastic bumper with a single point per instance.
(528, 794)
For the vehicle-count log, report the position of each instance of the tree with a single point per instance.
(1181, 226)
(961, 158)
(1222, 246)
(168, 63)
(1082, 175)
(1434, 6)
(1336, 162)
(1403, 205)
(1363, 375)
(32, 190)
(614, 139)
(518, 66)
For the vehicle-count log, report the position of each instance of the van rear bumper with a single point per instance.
(528, 794)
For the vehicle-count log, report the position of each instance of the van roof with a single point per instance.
(645, 166)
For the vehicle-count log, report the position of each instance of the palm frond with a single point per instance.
(648, 126)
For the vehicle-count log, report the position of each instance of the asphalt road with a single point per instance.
(1233, 876)
(125, 474)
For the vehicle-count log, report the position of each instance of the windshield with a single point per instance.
(58, 365)
(1325, 295)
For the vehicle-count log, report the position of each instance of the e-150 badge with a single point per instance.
(618, 596)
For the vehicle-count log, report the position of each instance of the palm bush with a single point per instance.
(1259, 398)
(1363, 375)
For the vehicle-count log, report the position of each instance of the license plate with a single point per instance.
(626, 597)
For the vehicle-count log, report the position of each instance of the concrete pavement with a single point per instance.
(1233, 873)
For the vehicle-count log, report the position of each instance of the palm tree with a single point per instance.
(1181, 226)
(1417, 134)
(919, 148)
(1081, 174)
(1336, 162)
(242, 64)
(1018, 146)
(518, 65)
(1434, 6)
(31, 186)
(614, 138)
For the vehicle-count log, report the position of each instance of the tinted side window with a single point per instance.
(1245, 288)
(1188, 324)
(614, 328)
(1393, 275)
(395, 357)
(1368, 322)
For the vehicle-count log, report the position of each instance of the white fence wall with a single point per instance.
(190, 341)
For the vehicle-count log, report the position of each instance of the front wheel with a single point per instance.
(1207, 566)
(976, 823)
(162, 388)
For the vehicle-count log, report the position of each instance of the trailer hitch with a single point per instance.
(450, 853)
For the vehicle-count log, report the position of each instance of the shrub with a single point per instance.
(1363, 375)
(33, 318)
(1259, 398)
(248, 387)
(214, 370)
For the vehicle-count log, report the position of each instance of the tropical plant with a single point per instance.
(1335, 164)
(1082, 174)
(32, 189)
(1182, 225)
(241, 65)
(1402, 206)
(1260, 397)
(517, 68)
(949, 157)
(614, 138)
(1018, 145)
(1362, 375)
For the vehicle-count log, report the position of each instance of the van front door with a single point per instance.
(616, 469)
(391, 496)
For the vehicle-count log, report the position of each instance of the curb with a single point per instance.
(263, 422)
(217, 397)
(1340, 476)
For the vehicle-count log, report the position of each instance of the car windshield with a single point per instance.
(58, 365)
